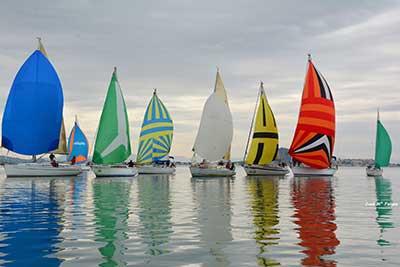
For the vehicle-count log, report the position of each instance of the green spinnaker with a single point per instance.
(383, 146)
(113, 142)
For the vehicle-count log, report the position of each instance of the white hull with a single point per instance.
(84, 168)
(211, 172)
(40, 170)
(374, 172)
(268, 170)
(114, 171)
(306, 171)
(155, 170)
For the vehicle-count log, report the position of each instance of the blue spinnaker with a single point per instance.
(77, 145)
(33, 113)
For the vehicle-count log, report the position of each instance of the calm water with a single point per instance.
(348, 220)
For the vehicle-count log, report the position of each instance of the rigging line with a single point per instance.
(252, 122)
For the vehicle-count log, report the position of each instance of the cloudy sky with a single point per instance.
(175, 46)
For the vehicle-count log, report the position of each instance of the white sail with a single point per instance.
(215, 131)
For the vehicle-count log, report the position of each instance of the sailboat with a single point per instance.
(32, 117)
(383, 150)
(112, 146)
(264, 140)
(214, 135)
(314, 138)
(155, 139)
(78, 145)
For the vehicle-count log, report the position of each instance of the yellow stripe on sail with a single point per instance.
(156, 125)
(264, 142)
(155, 135)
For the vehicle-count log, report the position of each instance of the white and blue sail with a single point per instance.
(156, 134)
(78, 145)
(32, 117)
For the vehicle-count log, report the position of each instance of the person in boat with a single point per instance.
(203, 164)
(131, 164)
(228, 165)
(73, 160)
(334, 163)
(232, 166)
(53, 161)
(221, 163)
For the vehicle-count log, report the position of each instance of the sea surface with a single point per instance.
(347, 220)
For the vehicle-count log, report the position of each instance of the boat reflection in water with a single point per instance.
(154, 212)
(30, 221)
(383, 207)
(213, 201)
(314, 206)
(264, 206)
(111, 211)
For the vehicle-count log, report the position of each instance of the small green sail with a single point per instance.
(383, 146)
(113, 142)
(157, 131)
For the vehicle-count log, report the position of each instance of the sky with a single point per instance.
(176, 46)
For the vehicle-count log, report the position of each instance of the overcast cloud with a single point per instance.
(175, 46)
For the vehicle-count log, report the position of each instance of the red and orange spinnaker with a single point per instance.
(314, 137)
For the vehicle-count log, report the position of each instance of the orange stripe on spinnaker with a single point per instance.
(316, 129)
(318, 108)
(311, 86)
(80, 158)
(317, 92)
(318, 155)
(317, 115)
(302, 139)
(316, 159)
(315, 163)
(317, 122)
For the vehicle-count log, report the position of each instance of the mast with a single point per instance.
(252, 121)
(376, 134)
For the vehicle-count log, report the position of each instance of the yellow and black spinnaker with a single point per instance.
(264, 140)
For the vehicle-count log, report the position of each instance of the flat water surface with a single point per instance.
(347, 220)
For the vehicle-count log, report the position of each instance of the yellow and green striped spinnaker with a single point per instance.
(156, 134)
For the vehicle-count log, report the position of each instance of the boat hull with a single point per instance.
(40, 170)
(211, 172)
(306, 171)
(373, 172)
(267, 170)
(155, 170)
(114, 171)
(84, 168)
